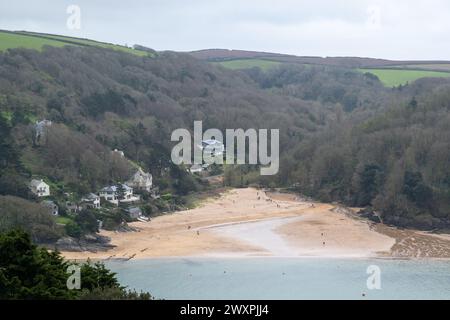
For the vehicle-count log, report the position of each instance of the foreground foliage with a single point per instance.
(30, 272)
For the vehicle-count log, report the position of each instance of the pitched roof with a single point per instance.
(211, 141)
(141, 177)
(35, 183)
(90, 196)
(114, 188)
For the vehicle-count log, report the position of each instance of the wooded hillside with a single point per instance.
(343, 135)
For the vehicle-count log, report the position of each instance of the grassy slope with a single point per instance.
(10, 40)
(248, 64)
(29, 40)
(91, 43)
(63, 220)
(391, 78)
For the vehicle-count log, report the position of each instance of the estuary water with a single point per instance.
(285, 278)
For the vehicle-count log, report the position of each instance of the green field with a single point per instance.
(29, 40)
(248, 64)
(63, 220)
(11, 40)
(88, 42)
(392, 78)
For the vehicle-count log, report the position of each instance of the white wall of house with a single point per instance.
(141, 180)
(40, 188)
(109, 196)
(96, 203)
(92, 202)
(112, 196)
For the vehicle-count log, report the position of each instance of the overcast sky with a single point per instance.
(393, 29)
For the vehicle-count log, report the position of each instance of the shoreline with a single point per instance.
(236, 257)
(250, 223)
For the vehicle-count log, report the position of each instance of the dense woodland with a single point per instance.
(389, 151)
(343, 136)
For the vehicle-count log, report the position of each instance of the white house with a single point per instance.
(213, 147)
(39, 188)
(52, 207)
(119, 153)
(91, 201)
(112, 194)
(141, 180)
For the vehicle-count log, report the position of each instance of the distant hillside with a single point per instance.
(395, 77)
(351, 62)
(34, 40)
(240, 64)
(391, 73)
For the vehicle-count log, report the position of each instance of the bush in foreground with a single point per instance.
(29, 272)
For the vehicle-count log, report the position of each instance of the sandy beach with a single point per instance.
(251, 222)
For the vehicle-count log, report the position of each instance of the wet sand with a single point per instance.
(249, 222)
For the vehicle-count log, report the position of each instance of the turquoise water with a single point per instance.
(279, 278)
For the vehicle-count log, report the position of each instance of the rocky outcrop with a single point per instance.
(370, 214)
(91, 242)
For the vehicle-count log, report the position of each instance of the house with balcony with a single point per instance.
(91, 201)
(212, 147)
(120, 193)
